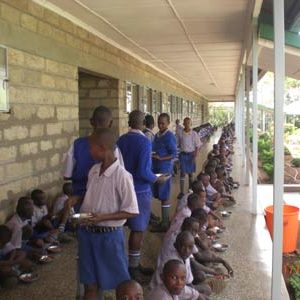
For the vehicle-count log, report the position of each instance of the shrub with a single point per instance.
(269, 169)
(296, 162)
(289, 128)
(286, 151)
(267, 156)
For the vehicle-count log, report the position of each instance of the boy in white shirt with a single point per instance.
(111, 199)
(189, 144)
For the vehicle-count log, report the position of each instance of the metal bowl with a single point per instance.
(225, 213)
(54, 249)
(220, 247)
(81, 216)
(28, 277)
(44, 259)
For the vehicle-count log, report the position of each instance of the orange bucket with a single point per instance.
(290, 226)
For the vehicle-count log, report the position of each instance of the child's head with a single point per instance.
(193, 202)
(25, 208)
(136, 120)
(177, 122)
(101, 118)
(102, 142)
(39, 197)
(201, 215)
(220, 171)
(192, 225)
(187, 122)
(213, 176)
(204, 179)
(163, 122)
(149, 122)
(129, 290)
(68, 189)
(5, 235)
(197, 187)
(174, 276)
(184, 244)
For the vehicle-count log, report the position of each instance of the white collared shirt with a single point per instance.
(189, 141)
(110, 192)
(160, 292)
(38, 214)
(16, 224)
(136, 131)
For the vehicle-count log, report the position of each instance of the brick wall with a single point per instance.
(43, 122)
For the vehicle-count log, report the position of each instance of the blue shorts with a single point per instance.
(140, 222)
(187, 163)
(102, 258)
(162, 191)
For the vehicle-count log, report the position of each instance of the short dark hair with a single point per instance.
(149, 121)
(199, 214)
(67, 188)
(170, 264)
(35, 193)
(104, 137)
(187, 222)
(192, 199)
(102, 115)
(136, 119)
(197, 186)
(21, 204)
(164, 115)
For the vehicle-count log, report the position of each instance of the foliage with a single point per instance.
(220, 116)
(296, 162)
(294, 280)
(289, 128)
(268, 168)
(287, 151)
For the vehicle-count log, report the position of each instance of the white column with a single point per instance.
(243, 116)
(254, 115)
(247, 178)
(279, 43)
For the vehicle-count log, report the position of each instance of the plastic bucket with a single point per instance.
(290, 226)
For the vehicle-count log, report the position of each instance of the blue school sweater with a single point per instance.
(164, 145)
(136, 150)
(83, 164)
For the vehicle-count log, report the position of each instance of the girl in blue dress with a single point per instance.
(164, 151)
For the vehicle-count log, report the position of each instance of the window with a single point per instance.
(128, 97)
(3, 80)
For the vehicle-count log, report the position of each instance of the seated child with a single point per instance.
(193, 202)
(20, 220)
(61, 209)
(183, 248)
(44, 230)
(129, 290)
(12, 261)
(173, 286)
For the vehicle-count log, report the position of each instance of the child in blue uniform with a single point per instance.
(164, 147)
(136, 152)
(111, 199)
(79, 160)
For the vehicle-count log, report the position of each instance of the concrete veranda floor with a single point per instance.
(249, 253)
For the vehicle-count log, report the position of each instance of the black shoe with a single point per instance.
(154, 220)
(146, 271)
(161, 227)
(137, 275)
(180, 195)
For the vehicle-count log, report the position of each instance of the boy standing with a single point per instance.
(111, 199)
(189, 144)
(136, 151)
(79, 160)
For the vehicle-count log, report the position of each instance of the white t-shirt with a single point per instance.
(189, 141)
(60, 204)
(15, 224)
(38, 214)
(111, 192)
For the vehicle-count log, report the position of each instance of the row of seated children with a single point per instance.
(187, 259)
(27, 234)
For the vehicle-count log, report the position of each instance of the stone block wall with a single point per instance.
(37, 132)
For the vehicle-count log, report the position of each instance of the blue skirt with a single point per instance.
(140, 222)
(187, 163)
(162, 191)
(102, 258)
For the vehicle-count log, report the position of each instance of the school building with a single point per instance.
(60, 58)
